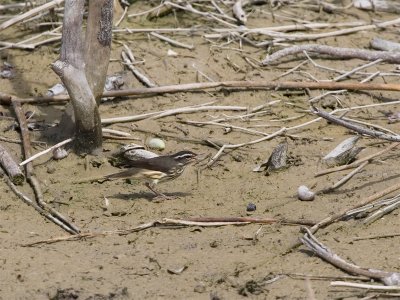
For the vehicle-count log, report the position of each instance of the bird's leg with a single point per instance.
(158, 195)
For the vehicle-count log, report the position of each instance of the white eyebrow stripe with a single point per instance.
(184, 155)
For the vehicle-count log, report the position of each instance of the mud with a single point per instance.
(229, 262)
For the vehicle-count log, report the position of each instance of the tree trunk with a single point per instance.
(83, 67)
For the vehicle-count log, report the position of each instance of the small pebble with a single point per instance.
(251, 207)
(200, 288)
(51, 169)
(214, 244)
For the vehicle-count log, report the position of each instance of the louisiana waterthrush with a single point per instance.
(156, 169)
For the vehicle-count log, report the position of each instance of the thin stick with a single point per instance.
(369, 125)
(30, 174)
(171, 41)
(235, 146)
(40, 210)
(30, 13)
(199, 221)
(304, 37)
(372, 237)
(339, 215)
(197, 123)
(129, 59)
(356, 128)
(116, 132)
(381, 212)
(34, 38)
(122, 17)
(231, 219)
(16, 141)
(340, 77)
(291, 70)
(33, 157)
(336, 217)
(17, 46)
(345, 178)
(281, 131)
(310, 291)
(372, 287)
(171, 112)
(146, 12)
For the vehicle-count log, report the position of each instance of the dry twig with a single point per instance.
(356, 128)
(336, 52)
(388, 278)
(30, 13)
(67, 225)
(166, 222)
(229, 85)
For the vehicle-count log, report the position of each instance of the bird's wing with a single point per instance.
(136, 173)
(129, 173)
(159, 163)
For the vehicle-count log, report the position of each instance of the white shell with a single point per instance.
(156, 144)
(60, 153)
(305, 194)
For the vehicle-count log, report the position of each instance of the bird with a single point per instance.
(156, 169)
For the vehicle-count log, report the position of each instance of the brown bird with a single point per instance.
(157, 169)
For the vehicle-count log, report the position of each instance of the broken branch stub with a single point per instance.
(82, 68)
(11, 167)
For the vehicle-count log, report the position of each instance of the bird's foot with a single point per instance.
(161, 197)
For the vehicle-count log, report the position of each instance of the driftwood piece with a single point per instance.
(388, 278)
(343, 153)
(11, 167)
(335, 52)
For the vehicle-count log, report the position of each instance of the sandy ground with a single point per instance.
(219, 262)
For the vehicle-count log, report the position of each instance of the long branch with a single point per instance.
(188, 87)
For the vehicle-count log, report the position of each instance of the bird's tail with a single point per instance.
(129, 173)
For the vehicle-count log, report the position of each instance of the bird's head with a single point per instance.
(184, 157)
